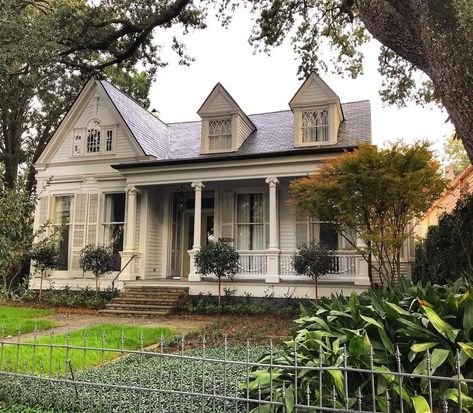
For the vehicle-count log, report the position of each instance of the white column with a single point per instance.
(130, 226)
(198, 187)
(272, 254)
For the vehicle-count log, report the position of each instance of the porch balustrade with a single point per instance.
(344, 263)
(254, 263)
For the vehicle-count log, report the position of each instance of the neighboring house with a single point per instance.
(156, 192)
(446, 203)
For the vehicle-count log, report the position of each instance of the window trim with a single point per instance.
(298, 129)
(206, 134)
(83, 133)
(315, 127)
(56, 225)
(263, 223)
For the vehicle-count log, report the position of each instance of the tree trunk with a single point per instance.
(436, 37)
(316, 290)
(96, 286)
(219, 287)
(41, 285)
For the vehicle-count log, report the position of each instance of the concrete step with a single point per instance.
(144, 295)
(114, 305)
(134, 313)
(157, 289)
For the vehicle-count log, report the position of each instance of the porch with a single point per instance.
(166, 225)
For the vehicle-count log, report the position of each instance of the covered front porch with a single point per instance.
(167, 224)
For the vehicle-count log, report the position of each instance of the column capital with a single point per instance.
(199, 186)
(131, 190)
(272, 181)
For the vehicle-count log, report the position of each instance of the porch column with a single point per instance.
(272, 254)
(130, 226)
(199, 187)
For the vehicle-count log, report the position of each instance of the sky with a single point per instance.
(262, 83)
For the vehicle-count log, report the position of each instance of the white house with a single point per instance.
(156, 192)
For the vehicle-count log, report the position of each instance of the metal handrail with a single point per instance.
(118, 275)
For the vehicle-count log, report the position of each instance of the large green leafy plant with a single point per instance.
(409, 329)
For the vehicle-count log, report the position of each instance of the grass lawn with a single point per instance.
(38, 358)
(23, 320)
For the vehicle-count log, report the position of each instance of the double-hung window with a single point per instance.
(310, 229)
(61, 223)
(114, 223)
(250, 222)
(220, 135)
(315, 126)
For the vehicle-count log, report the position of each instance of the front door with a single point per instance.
(207, 230)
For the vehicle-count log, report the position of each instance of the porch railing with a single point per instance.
(252, 263)
(344, 263)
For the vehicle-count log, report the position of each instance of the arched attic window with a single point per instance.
(93, 136)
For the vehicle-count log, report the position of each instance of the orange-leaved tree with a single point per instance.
(377, 194)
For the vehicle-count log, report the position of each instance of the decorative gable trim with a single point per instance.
(67, 123)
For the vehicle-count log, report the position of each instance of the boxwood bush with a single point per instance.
(412, 318)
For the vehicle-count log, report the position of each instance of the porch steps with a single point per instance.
(147, 301)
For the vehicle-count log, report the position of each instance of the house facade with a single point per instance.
(157, 192)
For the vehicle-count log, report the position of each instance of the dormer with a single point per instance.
(224, 125)
(317, 113)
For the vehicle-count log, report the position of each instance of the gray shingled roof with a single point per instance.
(275, 131)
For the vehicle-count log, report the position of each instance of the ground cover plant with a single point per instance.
(38, 357)
(23, 320)
(413, 318)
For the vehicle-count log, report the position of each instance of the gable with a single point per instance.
(312, 92)
(93, 104)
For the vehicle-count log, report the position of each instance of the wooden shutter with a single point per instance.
(78, 228)
(92, 218)
(228, 212)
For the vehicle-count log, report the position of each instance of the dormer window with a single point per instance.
(315, 126)
(220, 135)
(93, 137)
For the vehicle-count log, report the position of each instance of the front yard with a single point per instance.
(21, 320)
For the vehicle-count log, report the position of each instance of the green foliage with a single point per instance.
(412, 318)
(447, 251)
(219, 259)
(98, 259)
(456, 154)
(377, 194)
(23, 320)
(84, 298)
(16, 231)
(45, 255)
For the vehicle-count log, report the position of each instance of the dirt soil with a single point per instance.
(258, 329)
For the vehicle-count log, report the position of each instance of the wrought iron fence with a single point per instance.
(173, 377)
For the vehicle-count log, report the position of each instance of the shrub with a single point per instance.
(46, 257)
(447, 252)
(98, 259)
(411, 318)
(219, 259)
(314, 261)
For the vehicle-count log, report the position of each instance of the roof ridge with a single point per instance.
(355, 101)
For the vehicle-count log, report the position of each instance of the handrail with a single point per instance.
(118, 275)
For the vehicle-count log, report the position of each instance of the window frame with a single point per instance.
(263, 222)
(56, 225)
(228, 136)
(106, 223)
(103, 146)
(318, 113)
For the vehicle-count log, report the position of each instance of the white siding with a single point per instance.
(243, 131)
(154, 243)
(313, 94)
(287, 219)
(219, 104)
(96, 108)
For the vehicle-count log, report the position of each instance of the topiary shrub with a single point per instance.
(219, 259)
(447, 252)
(46, 257)
(313, 261)
(97, 259)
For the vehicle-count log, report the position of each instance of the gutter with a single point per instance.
(226, 158)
